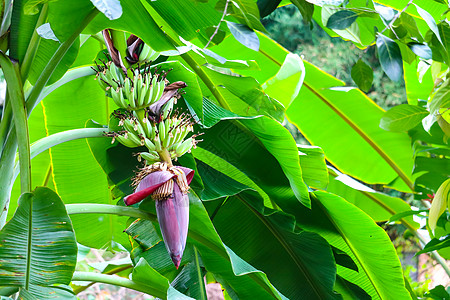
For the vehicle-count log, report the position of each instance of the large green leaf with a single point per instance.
(236, 275)
(135, 19)
(349, 229)
(353, 241)
(22, 27)
(380, 207)
(243, 149)
(267, 240)
(350, 120)
(187, 19)
(44, 53)
(77, 176)
(37, 245)
(351, 137)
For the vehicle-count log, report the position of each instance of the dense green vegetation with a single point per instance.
(154, 132)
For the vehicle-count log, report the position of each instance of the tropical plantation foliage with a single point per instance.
(158, 130)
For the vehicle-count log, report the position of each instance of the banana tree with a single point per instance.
(158, 126)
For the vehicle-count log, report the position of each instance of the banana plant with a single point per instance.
(155, 128)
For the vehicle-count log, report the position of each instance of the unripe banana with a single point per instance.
(115, 97)
(140, 129)
(181, 135)
(150, 146)
(168, 108)
(127, 90)
(154, 89)
(132, 97)
(146, 50)
(143, 94)
(160, 86)
(173, 147)
(113, 71)
(162, 131)
(135, 139)
(107, 76)
(126, 142)
(184, 147)
(147, 128)
(129, 126)
(102, 84)
(124, 104)
(150, 157)
(157, 143)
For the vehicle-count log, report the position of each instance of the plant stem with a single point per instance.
(397, 16)
(33, 45)
(15, 90)
(112, 272)
(61, 137)
(218, 26)
(118, 281)
(55, 60)
(91, 208)
(165, 157)
(433, 254)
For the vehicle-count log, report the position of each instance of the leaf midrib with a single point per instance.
(285, 245)
(29, 244)
(372, 143)
(350, 245)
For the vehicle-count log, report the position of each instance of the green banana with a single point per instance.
(184, 147)
(150, 157)
(135, 139)
(157, 143)
(150, 146)
(126, 142)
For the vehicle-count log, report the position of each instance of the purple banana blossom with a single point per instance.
(168, 187)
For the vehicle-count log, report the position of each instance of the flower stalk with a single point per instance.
(147, 117)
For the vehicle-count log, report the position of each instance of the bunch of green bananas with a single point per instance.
(166, 136)
(138, 92)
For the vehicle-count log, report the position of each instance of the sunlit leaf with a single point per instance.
(110, 8)
(244, 35)
(46, 32)
(403, 117)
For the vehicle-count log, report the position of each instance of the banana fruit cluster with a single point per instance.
(136, 92)
(167, 136)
